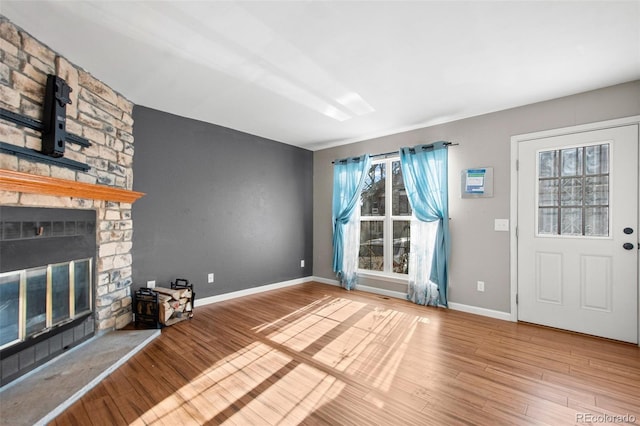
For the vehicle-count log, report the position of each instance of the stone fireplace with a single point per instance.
(103, 117)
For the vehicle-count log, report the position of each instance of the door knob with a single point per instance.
(627, 246)
(628, 231)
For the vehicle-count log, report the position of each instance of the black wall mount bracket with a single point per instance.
(54, 131)
(33, 155)
(53, 128)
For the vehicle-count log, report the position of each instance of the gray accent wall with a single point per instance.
(478, 252)
(218, 201)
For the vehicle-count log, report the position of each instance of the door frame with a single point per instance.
(513, 231)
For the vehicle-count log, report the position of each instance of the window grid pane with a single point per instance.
(571, 161)
(596, 221)
(571, 221)
(373, 191)
(573, 191)
(548, 221)
(548, 164)
(400, 202)
(401, 240)
(371, 254)
(548, 192)
(597, 191)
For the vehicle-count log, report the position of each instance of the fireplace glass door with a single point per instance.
(32, 301)
(9, 308)
(36, 300)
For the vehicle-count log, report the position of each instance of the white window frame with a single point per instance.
(388, 220)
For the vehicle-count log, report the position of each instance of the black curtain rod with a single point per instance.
(424, 147)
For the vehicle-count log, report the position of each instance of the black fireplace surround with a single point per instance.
(47, 260)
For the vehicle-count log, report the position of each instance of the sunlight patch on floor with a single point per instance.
(219, 386)
(303, 331)
(242, 387)
(283, 320)
(299, 393)
(372, 348)
(218, 394)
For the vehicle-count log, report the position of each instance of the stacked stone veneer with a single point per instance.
(100, 115)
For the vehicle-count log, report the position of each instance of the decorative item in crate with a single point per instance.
(181, 283)
(146, 308)
(176, 303)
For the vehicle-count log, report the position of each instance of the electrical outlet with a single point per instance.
(302, 263)
(501, 225)
(480, 285)
(210, 278)
(151, 284)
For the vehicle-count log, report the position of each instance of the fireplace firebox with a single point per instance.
(47, 276)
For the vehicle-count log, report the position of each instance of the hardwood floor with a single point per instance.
(316, 354)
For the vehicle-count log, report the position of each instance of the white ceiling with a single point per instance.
(322, 73)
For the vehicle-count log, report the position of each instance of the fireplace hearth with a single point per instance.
(47, 275)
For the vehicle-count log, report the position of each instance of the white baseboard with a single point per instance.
(326, 281)
(403, 296)
(249, 291)
(452, 305)
(383, 292)
(368, 289)
(506, 316)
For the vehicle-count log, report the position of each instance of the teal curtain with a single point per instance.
(348, 180)
(425, 173)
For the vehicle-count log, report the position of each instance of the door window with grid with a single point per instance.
(573, 191)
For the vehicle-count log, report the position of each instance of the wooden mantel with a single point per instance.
(24, 182)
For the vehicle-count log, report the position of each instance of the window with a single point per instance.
(573, 191)
(384, 232)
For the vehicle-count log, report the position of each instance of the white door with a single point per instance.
(578, 232)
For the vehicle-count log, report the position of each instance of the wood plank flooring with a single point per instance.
(316, 354)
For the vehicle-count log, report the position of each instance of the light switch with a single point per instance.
(501, 225)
